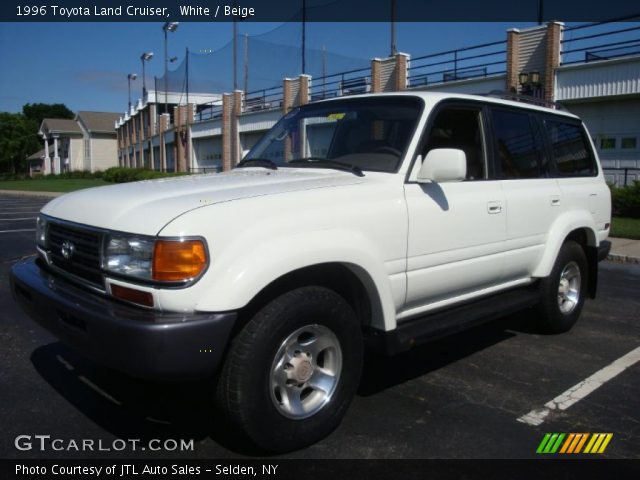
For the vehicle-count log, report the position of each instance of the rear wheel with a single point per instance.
(563, 291)
(292, 371)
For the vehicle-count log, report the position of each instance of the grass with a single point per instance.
(625, 227)
(55, 185)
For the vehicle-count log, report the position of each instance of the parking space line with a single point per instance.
(19, 230)
(582, 389)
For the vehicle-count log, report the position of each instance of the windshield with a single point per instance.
(363, 133)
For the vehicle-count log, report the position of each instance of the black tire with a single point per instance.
(552, 317)
(245, 391)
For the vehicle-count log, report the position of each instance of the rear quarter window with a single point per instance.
(571, 154)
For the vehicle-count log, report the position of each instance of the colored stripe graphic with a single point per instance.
(574, 443)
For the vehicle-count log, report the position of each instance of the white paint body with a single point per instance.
(416, 247)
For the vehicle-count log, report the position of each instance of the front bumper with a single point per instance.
(142, 343)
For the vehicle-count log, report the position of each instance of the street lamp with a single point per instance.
(130, 77)
(145, 57)
(167, 27)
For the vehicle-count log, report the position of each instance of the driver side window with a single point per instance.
(460, 128)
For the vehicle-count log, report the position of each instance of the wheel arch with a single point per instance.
(350, 281)
(581, 231)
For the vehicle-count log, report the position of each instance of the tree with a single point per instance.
(18, 139)
(39, 111)
(19, 133)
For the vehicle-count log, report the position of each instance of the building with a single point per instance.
(592, 70)
(88, 142)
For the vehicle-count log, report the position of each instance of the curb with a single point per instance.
(24, 193)
(619, 258)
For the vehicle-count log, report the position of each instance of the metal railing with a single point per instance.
(599, 41)
(462, 63)
(265, 99)
(350, 82)
(209, 111)
(626, 171)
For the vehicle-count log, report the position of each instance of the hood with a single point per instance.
(146, 207)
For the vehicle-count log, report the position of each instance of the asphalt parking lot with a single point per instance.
(460, 397)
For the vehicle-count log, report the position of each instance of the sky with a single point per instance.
(85, 65)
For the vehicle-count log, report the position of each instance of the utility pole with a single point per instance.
(304, 36)
(246, 63)
(394, 50)
(235, 54)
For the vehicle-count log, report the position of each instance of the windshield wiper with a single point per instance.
(313, 162)
(258, 162)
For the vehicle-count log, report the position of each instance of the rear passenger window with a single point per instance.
(517, 152)
(571, 155)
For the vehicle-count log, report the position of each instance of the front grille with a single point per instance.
(85, 261)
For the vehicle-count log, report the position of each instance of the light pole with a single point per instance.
(130, 77)
(145, 57)
(167, 27)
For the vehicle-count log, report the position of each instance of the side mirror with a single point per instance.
(443, 165)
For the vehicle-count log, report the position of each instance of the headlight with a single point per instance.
(129, 255)
(41, 231)
(161, 260)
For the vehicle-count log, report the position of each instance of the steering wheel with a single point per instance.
(388, 149)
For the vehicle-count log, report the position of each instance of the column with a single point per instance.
(401, 71)
(552, 59)
(513, 59)
(56, 156)
(47, 161)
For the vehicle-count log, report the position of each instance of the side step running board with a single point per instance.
(440, 324)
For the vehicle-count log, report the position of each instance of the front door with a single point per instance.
(456, 229)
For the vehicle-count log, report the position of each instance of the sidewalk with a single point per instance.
(28, 193)
(623, 250)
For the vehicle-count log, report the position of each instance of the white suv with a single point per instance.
(380, 219)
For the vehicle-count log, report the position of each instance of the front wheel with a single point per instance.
(563, 291)
(293, 370)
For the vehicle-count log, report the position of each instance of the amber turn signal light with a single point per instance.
(178, 260)
(132, 295)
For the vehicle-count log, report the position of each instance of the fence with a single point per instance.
(462, 63)
(264, 99)
(598, 41)
(626, 171)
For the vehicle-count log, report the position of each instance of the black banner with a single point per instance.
(314, 10)
(281, 469)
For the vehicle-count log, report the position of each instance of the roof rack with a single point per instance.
(516, 97)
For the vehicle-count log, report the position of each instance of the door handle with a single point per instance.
(494, 207)
(555, 200)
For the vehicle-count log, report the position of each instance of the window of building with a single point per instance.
(517, 152)
(629, 143)
(607, 143)
(460, 128)
(571, 154)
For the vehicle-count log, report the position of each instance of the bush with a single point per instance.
(625, 201)
(124, 174)
(13, 176)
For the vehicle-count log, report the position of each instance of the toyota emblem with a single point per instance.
(67, 250)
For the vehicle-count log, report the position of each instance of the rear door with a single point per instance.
(533, 198)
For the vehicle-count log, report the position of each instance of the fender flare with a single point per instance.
(237, 277)
(565, 224)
